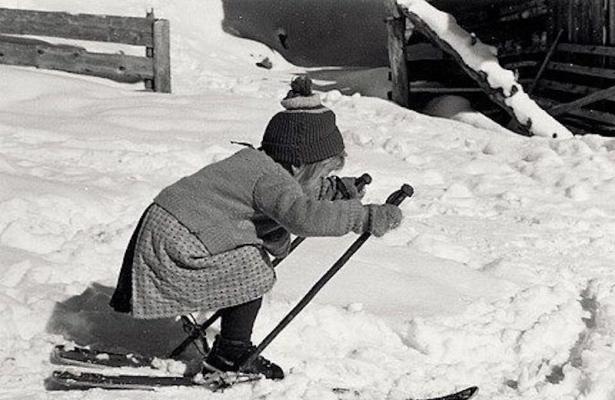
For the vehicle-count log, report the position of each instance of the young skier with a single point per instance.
(203, 243)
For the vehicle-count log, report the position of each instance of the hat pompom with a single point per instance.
(301, 86)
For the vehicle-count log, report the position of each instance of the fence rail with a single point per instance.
(153, 68)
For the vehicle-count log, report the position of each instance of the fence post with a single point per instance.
(149, 51)
(162, 57)
(396, 44)
(611, 14)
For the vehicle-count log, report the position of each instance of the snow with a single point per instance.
(500, 275)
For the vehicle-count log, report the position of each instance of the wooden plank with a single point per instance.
(119, 67)
(581, 21)
(595, 21)
(582, 70)
(149, 50)
(18, 54)
(611, 23)
(566, 87)
(32, 41)
(584, 101)
(595, 50)
(116, 29)
(396, 44)
(524, 10)
(558, 16)
(520, 50)
(569, 20)
(520, 64)
(162, 56)
(601, 27)
(546, 61)
(482, 16)
(598, 116)
(590, 21)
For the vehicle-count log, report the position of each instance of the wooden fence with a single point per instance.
(154, 69)
(585, 21)
(562, 50)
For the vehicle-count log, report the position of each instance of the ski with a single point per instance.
(465, 394)
(66, 380)
(81, 356)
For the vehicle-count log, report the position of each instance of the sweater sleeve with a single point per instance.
(281, 198)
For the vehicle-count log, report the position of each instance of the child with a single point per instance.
(203, 243)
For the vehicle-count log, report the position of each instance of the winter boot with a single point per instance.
(228, 355)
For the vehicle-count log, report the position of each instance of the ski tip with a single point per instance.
(56, 382)
(469, 393)
(465, 394)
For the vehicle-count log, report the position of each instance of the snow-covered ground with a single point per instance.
(501, 275)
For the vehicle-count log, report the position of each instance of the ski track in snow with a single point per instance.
(501, 274)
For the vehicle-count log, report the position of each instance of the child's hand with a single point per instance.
(346, 189)
(277, 242)
(382, 218)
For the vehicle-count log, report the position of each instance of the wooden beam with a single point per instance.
(611, 23)
(477, 18)
(521, 50)
(566, 87)
(608, 51)
(162, 56)
(396, 44)
(127, 30)
(584, 101)
(598, 116)
(546, 60)
(520, 64)
(119, 67)
(524, 10)
(582, 70)
(32, 41)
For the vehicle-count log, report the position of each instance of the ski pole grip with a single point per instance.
(398, 196)
(363, 180)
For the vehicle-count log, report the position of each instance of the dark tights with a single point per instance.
(238, 321)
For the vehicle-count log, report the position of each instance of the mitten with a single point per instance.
(336, 188)
(277, 242)
(346, 188)
(382, 218)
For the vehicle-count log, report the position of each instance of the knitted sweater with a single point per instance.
(240, 199)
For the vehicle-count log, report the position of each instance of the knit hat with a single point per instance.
(305, 132)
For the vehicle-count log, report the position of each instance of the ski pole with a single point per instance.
(199, 329)
(396, 198)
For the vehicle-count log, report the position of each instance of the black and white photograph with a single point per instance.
(307, 199)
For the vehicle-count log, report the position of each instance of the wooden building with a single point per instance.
(562, 50)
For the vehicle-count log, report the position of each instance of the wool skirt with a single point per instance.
(174, 274)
